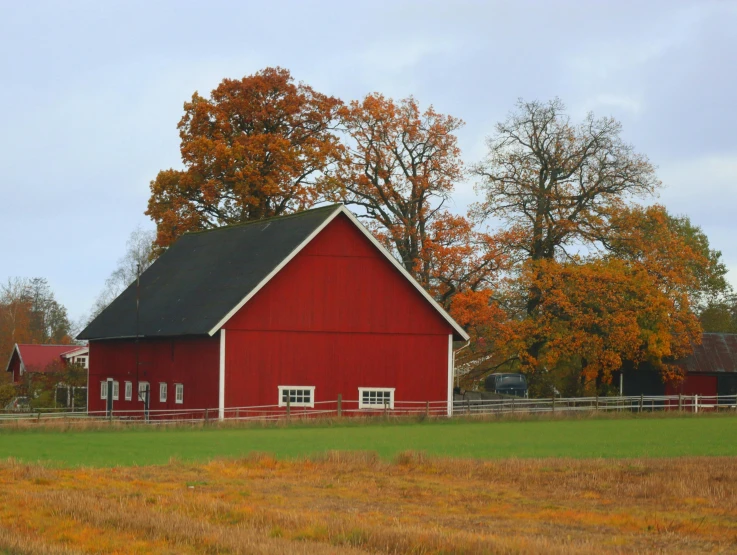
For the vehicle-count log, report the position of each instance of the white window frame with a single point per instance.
(128, 391)
(141, 390)
(179, 393)
(82, 361)
(116, 390)
(310, 388)
(375, 406)
(103, 390)
(163, 390)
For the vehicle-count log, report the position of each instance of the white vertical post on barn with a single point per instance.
(450, 375)
(221, 384)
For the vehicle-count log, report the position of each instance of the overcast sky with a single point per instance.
(91, 94)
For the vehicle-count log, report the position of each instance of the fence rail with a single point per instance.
(352, 408)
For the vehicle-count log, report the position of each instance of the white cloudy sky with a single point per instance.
(91, 94)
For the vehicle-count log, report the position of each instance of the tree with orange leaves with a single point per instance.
(400, 168)
(567, 189)
(254, 149)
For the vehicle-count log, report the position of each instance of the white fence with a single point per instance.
(640, 403)
(350, 408)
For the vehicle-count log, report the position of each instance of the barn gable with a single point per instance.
(340, 282)
(205, 278)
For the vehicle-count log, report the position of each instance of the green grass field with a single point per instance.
(580, 438)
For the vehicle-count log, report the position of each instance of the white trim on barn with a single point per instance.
(82, 351)
(369, 235)
(221, 383)
(297, 389)
(451, 359)
(273, 272)
(406, 274)
(363, 405)
(20, 358)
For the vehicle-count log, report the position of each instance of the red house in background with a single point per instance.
(44, 358)
(303, 307)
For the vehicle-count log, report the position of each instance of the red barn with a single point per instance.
(303, 307)
(710, 370)
(44, 358)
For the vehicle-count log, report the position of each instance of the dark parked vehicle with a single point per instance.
(507, 384)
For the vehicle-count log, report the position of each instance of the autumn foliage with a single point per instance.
(556, 271)
(400, 167)
(255, 149)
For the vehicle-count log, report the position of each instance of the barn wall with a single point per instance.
(190, 361)
(339, 316)
(694, 384)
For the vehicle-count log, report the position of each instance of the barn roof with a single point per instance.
(716, 354)
(38, 357)
(201, 280)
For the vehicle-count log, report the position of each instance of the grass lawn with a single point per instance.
(705, 435)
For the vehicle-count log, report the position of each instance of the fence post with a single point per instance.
(386, 408)
(340, 405)
(38, 418)
(238, 413)
(427, 409)
(207, 415)
(289, 407)
(597, 401)
(696, 404)
(512, 404)
(468, 407)
(640, 409)
(553, 405)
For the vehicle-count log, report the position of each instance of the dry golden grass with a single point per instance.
(356, 503)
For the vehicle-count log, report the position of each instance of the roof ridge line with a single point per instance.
(271, 219)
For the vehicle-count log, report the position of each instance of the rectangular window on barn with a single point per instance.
(162, 392)
(128, 391)
(142, 387)
(375, 397)
(298, 395)
(179, 393)
(103, 390)
(116, 391)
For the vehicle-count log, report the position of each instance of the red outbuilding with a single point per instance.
(44, 358)
(303, 308)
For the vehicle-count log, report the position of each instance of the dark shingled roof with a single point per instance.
(203, 276)
(716, 354)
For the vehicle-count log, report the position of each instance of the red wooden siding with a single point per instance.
(694, 384)
(192, 362)
(338, 316)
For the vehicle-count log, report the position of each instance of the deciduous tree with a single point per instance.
(138, 256)
(253, 150)
(399, 170)
(29, 313)
(556, 181)
(600, 280)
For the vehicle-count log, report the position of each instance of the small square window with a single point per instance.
(297, 395)
(179, 393)
(375, 397)
(128, 391)
(162, 392)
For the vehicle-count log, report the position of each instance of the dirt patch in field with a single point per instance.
(355, 503)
